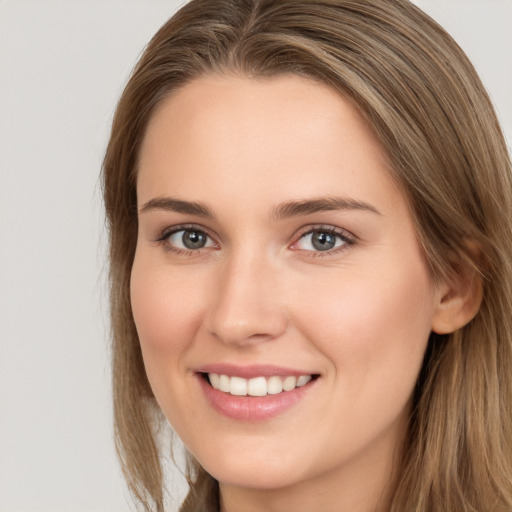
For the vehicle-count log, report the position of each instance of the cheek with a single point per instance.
(373, 327)
(166, 309)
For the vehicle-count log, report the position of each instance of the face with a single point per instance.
(277, 261)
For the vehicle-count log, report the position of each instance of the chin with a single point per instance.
(246, 462)
(255, 475)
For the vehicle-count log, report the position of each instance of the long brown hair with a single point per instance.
(425, 103)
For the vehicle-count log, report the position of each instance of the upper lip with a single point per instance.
(251, 371)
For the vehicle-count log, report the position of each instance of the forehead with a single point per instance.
(231, 135)
(213, 103)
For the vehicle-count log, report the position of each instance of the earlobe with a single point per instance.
(458, 302)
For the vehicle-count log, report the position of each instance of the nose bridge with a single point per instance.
(246, 306)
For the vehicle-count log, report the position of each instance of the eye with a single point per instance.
(323, 240)
(188, 239)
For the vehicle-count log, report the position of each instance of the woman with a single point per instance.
(310, 239)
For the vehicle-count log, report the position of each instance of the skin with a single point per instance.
(359, 315)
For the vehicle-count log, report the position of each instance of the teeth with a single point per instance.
(238, 386)
(289, 383)
(215, 380)
(258, 386)
(303, 380)
(274, 385)
(224, 383)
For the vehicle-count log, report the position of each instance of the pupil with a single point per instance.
(194, 239)
(323, 241)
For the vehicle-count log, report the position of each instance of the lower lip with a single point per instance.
(253, 408)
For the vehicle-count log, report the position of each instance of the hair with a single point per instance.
(425, 103)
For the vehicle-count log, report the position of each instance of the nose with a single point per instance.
(246, 307)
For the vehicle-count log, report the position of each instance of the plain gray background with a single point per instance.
(63, 64)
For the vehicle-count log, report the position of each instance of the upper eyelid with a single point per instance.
(348, 238)
(184, 227)
(304, 230)
(324, 227)
(163, 239)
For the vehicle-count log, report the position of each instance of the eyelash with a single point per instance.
(346, 238)
(168, 232)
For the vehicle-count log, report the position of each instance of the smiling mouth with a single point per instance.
(257, 386)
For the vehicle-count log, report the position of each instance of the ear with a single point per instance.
(458, 301)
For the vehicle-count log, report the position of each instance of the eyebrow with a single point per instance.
(176, 205)
(322, 204)
(282, 211)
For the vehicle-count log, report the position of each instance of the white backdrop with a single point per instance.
(63, 64)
